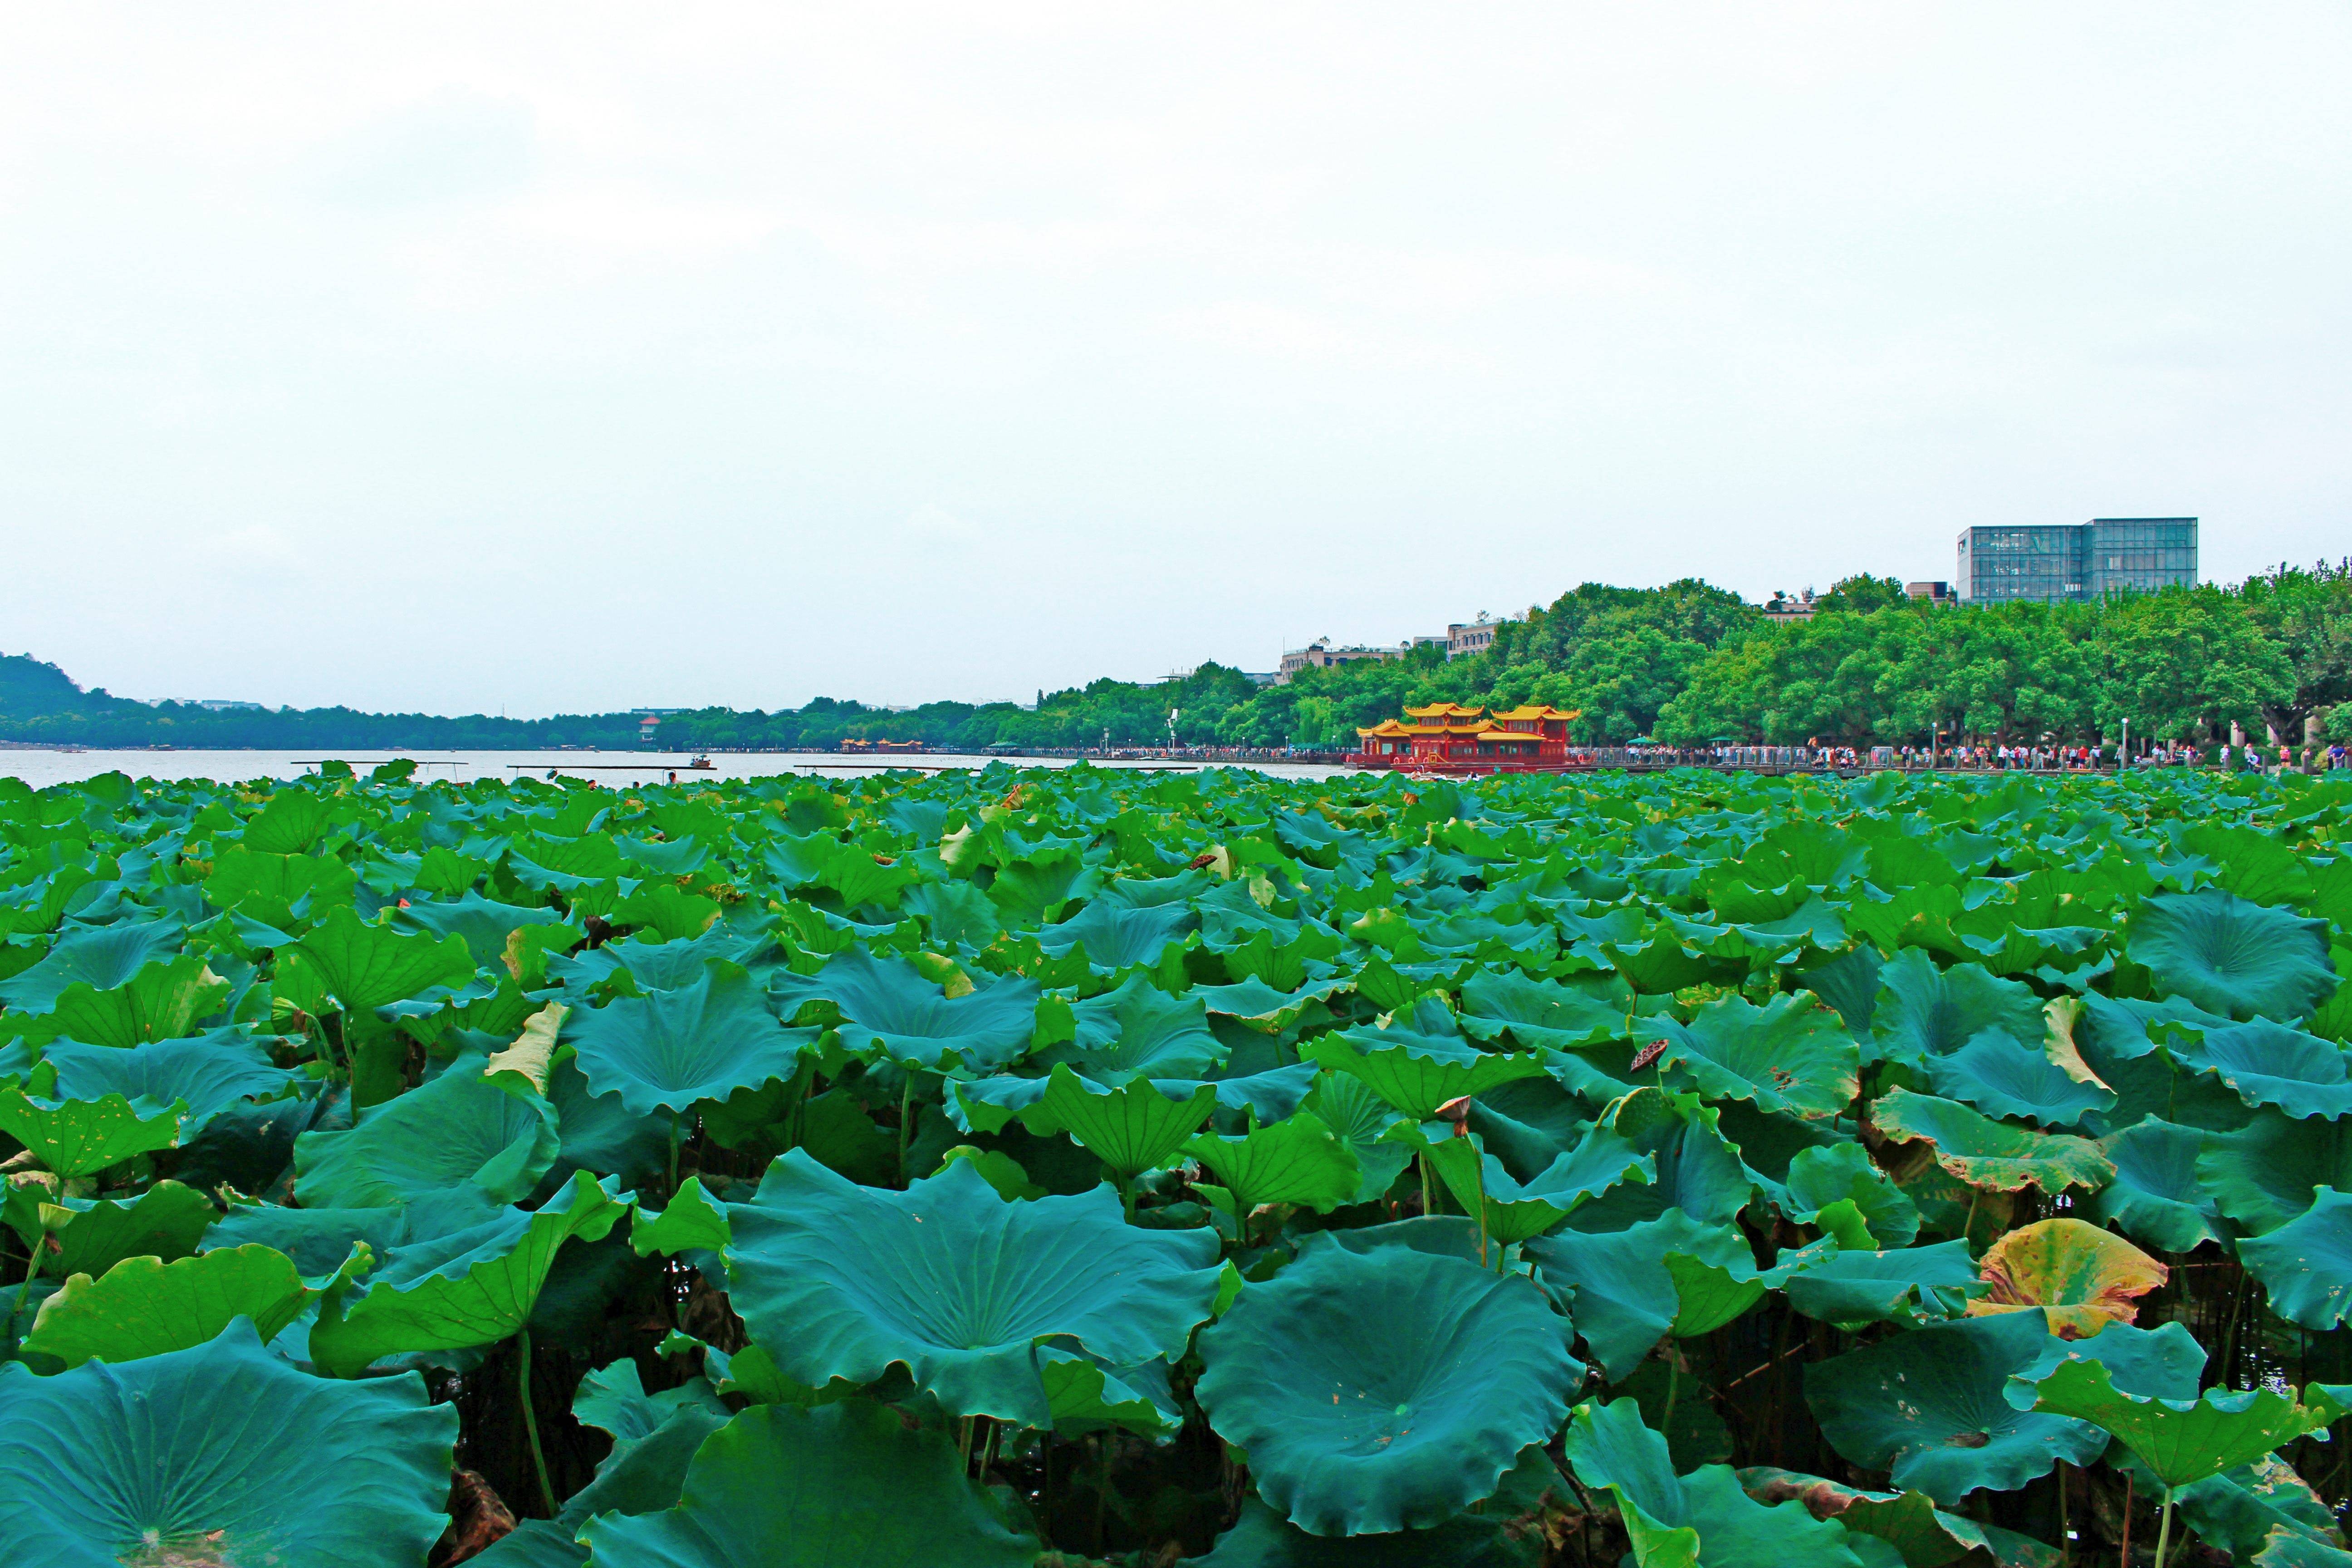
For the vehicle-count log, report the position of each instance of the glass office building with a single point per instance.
(2079, 560)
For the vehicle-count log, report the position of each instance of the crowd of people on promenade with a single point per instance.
(2248, 757)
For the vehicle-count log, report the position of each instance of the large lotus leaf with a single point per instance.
(1361, 1120)
(1131, 1129)
(1923, 1535)
(292, 821)
(1695, 1168)
(90, 1235)
(650, 965)
(955, 1283)
(1842, 1173)
(1929, 1406)
(2269, 1064)
(1137, 1031)
(456, 1130)
(1992, 1154)
(276, 889)
(1924, 1012)
(83, 1137)
(694, 1221)
(143, 1306)
(1384, 1390)
(612, 1399)
(1501, 1531)
(2307, 1263)
(364, 966)
(1515, 1210)
(2284, 1548)
(887, 1007)
(2001, 1077)
(1261, 1008)
(1417, 1073)
(470, 1286)
(219, 1454)
(1706, 1516)
(2180, 1440)
(207, 1073)
(1118, 935)
(703, 1041)
(843, 1486)
(2271, 1170)
(2155, 1196)
(484, 924)
(101, 959)
(1296, 1161)
(1536, 1012)
(2245, 1509)
(162, 1001)
(1619, 1293)
(2084, 1278)
(2232, 957)
(1792, 1055)
(1907, 1285)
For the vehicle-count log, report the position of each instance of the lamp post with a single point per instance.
(2123, 759)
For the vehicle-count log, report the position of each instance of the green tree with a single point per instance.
(2308, 615)
(2187, 662)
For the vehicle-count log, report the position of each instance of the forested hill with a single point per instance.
(1686, 664)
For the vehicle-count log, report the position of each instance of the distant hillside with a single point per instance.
(29, 688)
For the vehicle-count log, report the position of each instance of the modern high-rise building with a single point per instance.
(2077, 561)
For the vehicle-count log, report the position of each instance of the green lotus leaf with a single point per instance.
(90, 1235)
(1384, 1390)
(2001, 1077)
(1118, 935)
(694, 1221)
(845, 1486)
(162, 1001)
(2241, 1510)
(704, 1041)
(2233, 958)
(2269, 1064)
(1536, 1012)
(1502, 1532)
(276, 889)
(1617, 1289)
(1416, 1072)
(1992, 1154)
(2286, 1548)
(2180, 1440)
(887, 1007)
(1705, 1517)
(1130, 1130)
(649, 965)
(1296, 1161)
(364, 966)
(1257, 1006)
(1842, 1173)
(1907, 1285)
(216, 1455)
(1923, 1535)
(143, 1306)
(1929, 1406)
(2082, 1278)
(456, 1130)
(612, 1399)
(1137, 1031)
(1087, 1396)
(1695, 1169)
(2307, 1263)
(2156, 1198)
(669, 857)
(207, 1073)
(484, 925)
(469, 1286)
(1361, 1120)
(960, 1285)
(999, 1168)
(1715, 1276)
(1516, 1211)
(1791, 1056)
(1924, 1012)
(292, 821)
(100, 958)
(83, 1137)
(2271, 1170)
(2163, 1363)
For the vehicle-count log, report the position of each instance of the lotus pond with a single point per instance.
(1003, 1168)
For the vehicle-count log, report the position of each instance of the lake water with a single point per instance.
(41, 769)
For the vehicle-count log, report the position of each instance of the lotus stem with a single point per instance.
(676, 1137)
(905, 1116)
(2164, 1527)
(964, 1445)
(2124, 1561)
(1674, 1388)
(530, 1420)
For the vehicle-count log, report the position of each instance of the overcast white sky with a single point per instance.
(521, 356)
